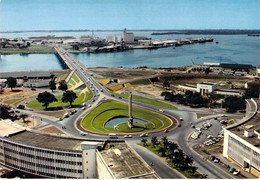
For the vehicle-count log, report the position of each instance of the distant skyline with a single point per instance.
(131, 14)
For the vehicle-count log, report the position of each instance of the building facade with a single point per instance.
(242, 140)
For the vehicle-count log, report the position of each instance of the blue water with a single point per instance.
(116, 121)
(231, 49)
(17, 62)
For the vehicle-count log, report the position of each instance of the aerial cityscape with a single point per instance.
(139, 89)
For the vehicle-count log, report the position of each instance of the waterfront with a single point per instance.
(230, 49)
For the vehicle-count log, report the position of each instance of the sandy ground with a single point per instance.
(145, 89)
(51, 130)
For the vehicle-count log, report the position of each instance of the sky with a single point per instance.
(130, 14)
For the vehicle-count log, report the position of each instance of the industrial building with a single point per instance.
(242, 140)
(47, 156)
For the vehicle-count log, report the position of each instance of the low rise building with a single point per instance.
(242, 140)
(48, 156)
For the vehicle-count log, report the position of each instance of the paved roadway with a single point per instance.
(179, 135)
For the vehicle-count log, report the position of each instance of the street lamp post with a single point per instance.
(115, 129)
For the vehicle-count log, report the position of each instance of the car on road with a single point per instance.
(181, 119)
(231, 170)
(83, 134)
(236, 172)
(60, 119)
(89, 105)
(128, 136)
(166, 130)
(144, 135)
(192, 126)
(83, 108)
(179, 125)
(216, 160)
(161, 110)
(212, 158)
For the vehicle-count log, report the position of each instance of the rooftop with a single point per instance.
(16, 132)
(252, 125)
(8, 127)
(125, 163)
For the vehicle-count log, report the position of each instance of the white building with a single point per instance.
(114, 39)
(37, 83)
(242, 140)
(128, 37)
(49, 156)
(206, 87)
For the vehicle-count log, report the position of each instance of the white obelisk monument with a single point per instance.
(130, 121)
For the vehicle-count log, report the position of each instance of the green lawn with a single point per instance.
(146, 100)
(95, 121)
(141, 82)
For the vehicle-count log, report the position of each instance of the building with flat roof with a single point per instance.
(242, 140)
(50, 156)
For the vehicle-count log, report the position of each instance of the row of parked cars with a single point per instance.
(231, 170)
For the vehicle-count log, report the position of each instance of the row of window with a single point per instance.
(41, 166)
(21, 148)
(48, 159)
(49, 152)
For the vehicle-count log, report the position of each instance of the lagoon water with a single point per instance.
(230, 49)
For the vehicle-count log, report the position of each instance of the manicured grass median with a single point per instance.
(95, 121)
(82, 97)
(147, 101)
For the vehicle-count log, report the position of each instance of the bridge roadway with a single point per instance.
(180, 134)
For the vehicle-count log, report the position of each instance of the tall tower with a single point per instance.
(125, 35)
(0, 29)
(131, 119)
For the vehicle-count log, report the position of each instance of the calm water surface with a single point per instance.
(231, 49)
(116, 121)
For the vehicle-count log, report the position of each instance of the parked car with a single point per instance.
(236, 172)
(212, 158)
(216, 160)
(231, 170)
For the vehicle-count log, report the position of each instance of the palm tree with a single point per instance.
(178, 158)
(162, 150)
(188, 161)
(171, 148)
(165, 141)
(144, 141)
(154, 140)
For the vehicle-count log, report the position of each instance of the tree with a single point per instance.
(193, 169)
(69, 96)
(234, 103)
(11, 82)
(24, 116)
(252, 92)
(178, 158)
(52, 85)
(171, 149)
(166, 83)
(144, 141)
(63, 86)
(46, 98)
(165, 141)
(162, 150)
(154, 140)
(4, 111)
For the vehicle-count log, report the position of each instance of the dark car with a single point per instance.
(231, 170)
(212, 158)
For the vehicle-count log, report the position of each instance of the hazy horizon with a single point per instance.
(17, 15)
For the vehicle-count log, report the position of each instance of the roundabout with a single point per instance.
(112, 117)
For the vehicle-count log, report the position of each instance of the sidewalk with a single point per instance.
(231, 164)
